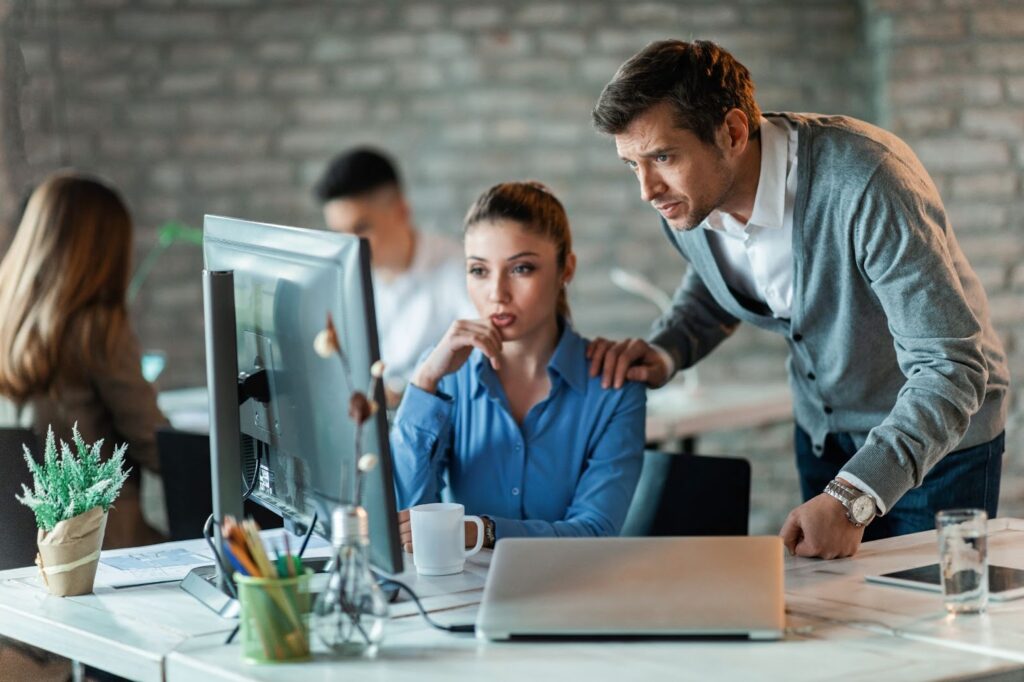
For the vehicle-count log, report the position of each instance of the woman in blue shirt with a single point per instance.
(503, 411)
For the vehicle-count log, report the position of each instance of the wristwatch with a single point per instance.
(860, 507)
(489, 539)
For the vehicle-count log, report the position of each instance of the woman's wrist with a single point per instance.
(424, 382)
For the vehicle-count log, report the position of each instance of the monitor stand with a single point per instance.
(201, 583)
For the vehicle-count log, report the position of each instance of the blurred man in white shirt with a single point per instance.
(419, 279)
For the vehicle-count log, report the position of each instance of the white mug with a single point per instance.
(439, 537)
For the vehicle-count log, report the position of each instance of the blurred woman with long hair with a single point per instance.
(67, 352)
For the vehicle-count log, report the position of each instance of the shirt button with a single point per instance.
(818, 449)
(828, 410)
(798, 337)
(519, 446)
(515, 491)
(811, 376)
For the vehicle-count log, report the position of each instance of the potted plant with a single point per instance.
(70, 497)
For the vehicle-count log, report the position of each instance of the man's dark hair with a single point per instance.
(355, 172)
(700, 80)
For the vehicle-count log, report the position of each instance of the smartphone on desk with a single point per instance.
(1004, 583)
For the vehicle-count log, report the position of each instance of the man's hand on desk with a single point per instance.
(820, 528)
(631, 359)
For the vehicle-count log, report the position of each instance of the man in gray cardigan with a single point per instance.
(829, 231)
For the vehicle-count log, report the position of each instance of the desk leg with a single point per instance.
(77, 671)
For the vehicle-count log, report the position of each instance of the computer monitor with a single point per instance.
(297, 441)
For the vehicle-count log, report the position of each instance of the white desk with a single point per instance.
(839, 627)
(673, 411)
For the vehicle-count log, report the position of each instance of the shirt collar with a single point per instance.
(770, 199)
(568, 362)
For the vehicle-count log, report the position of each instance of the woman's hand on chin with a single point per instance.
(453, 350)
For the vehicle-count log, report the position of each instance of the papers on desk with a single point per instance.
(147, 565)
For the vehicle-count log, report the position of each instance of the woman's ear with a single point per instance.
(570, 269)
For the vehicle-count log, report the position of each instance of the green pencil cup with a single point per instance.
(274, 618)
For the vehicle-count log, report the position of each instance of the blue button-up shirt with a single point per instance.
(570, 469)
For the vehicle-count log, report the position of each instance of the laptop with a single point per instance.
(634, 587)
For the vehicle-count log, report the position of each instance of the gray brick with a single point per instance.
(994, 123)
(1000, 185)
(234, 113)
(423, 16)
(1007, 23)
(563, 43)
(1015, 89)
(949, 90)
(545, 14)
(1000, 57)
(932, 59)
(169, 26)
(993, 277)
(281, 51)
(941, 154)
(535, 71)
(504, 44)
(311, 141)
(932, 26)
(330, 111)
(482, 16)
(1007, 308)
(419, 75)
(202, 54)
(364, 76)
(982, 217)
(329, 49)
(191, 83)
(167, 176)
(212, 176)
(224, 145)
(922, 120)
(104, 86)
(151, 115)
(297, 80)
(246, 80)
(290, 21)
(445, 44)
(391, 45)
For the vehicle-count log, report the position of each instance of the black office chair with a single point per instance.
(683, 494)
(18, 537)
(188, 491)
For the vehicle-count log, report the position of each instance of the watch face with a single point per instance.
(862, 509)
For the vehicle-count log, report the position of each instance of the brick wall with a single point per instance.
(234, 106)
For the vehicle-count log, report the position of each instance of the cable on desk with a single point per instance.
(465, 628)
(309, 534)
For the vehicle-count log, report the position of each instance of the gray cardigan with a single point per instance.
(890, 337)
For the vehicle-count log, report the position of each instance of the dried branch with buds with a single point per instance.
(361, 406)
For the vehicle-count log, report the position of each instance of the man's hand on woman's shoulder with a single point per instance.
(630, 359)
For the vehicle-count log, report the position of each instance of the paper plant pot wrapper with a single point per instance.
(70, 553)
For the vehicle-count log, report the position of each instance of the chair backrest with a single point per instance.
(188, 491)
(682, 494)
(17, 523)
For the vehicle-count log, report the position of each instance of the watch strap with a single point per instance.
(489, 538)
(846, 495)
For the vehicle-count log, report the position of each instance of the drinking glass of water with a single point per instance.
(963, 559)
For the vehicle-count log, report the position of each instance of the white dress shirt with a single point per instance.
(756, 257)
(415, 309)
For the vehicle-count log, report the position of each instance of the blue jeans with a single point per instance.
(964, 478)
